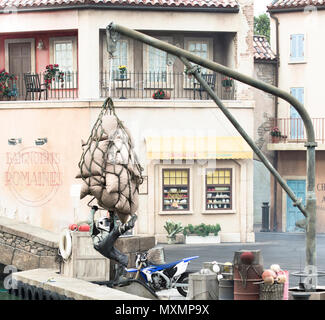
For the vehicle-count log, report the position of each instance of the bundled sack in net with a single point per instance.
(109, 167)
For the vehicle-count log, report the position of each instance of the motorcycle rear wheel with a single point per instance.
(183, 279)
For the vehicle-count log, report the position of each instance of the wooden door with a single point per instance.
(293, 213)
(20, 63)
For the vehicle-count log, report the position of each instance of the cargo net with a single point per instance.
(109, 167)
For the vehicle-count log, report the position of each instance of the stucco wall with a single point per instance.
(305, 74)
(263, 114)
(51, 203)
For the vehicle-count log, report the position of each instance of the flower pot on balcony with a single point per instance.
(167, 95)
(276, 139)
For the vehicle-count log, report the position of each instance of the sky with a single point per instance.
(260, 6)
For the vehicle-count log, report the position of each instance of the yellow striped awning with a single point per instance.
(207, 147)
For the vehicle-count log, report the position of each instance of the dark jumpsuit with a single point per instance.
(104, 240)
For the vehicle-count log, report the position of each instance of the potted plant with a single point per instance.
(227, 82)
(122, 70)
(51, 72)
(202, 233)
(172, 229)
(161, 94)
(275, 134)
(8, 87)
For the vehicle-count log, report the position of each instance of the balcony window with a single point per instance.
(176, 189)
(63, 51)
(202, 47)
(158, 72)
(120, 57)
(296, 123)
(218, 189)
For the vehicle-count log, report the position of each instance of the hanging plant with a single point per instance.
(51, 72)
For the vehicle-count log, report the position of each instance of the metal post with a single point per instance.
(185, 56)
(265, 217)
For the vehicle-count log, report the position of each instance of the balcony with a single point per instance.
(293, 132)
(144, 85)
(18, 89)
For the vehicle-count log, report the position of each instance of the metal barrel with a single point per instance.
(226, 289)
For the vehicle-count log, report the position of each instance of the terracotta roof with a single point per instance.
(290, 4)
(262, 49)
(144, 3)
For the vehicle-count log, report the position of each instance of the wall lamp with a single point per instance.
(40, 141)
(40, 45)
(14, 141)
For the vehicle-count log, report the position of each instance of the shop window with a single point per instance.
(176, 189)
(218, 189)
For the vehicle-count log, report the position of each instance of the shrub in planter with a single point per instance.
(202, 229)
(172, 229)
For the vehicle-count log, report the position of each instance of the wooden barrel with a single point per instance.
(247, 276)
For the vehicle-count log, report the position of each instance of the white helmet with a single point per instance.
(103, 224)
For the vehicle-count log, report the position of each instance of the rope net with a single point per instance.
(109, 168)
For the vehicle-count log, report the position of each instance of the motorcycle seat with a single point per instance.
(163, 266)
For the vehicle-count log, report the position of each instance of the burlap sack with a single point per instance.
(94, 159)
(109, 158)
(91, 181)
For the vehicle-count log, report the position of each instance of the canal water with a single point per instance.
(4, 295)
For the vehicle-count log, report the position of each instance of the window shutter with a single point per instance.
(300, 95)
(293, 42)
(300, 46)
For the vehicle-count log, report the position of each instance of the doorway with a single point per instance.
(293, 213)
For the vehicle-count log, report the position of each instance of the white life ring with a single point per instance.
(65, 244)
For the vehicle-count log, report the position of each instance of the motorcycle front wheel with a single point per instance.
(184, 280)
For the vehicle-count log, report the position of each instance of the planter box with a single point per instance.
(197, 239)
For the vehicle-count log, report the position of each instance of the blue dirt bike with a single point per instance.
(164, 276)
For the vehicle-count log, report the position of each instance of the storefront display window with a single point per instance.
(176, 189)
(218, 189)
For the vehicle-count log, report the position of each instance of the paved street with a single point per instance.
(287, 250)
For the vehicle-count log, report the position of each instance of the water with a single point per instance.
(4, 295)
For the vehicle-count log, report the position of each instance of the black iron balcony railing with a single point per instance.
(143, 85)
(33, 87)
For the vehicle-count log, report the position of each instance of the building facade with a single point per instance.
(265, 66)
(296, 33)
(187, 147)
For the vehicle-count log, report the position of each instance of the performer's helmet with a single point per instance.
(103, 224)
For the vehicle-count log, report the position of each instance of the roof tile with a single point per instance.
(262, 49)
(289, 4)
(146, 3)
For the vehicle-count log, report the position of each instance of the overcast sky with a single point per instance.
(260, 6)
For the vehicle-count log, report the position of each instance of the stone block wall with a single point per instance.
(26, 250)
